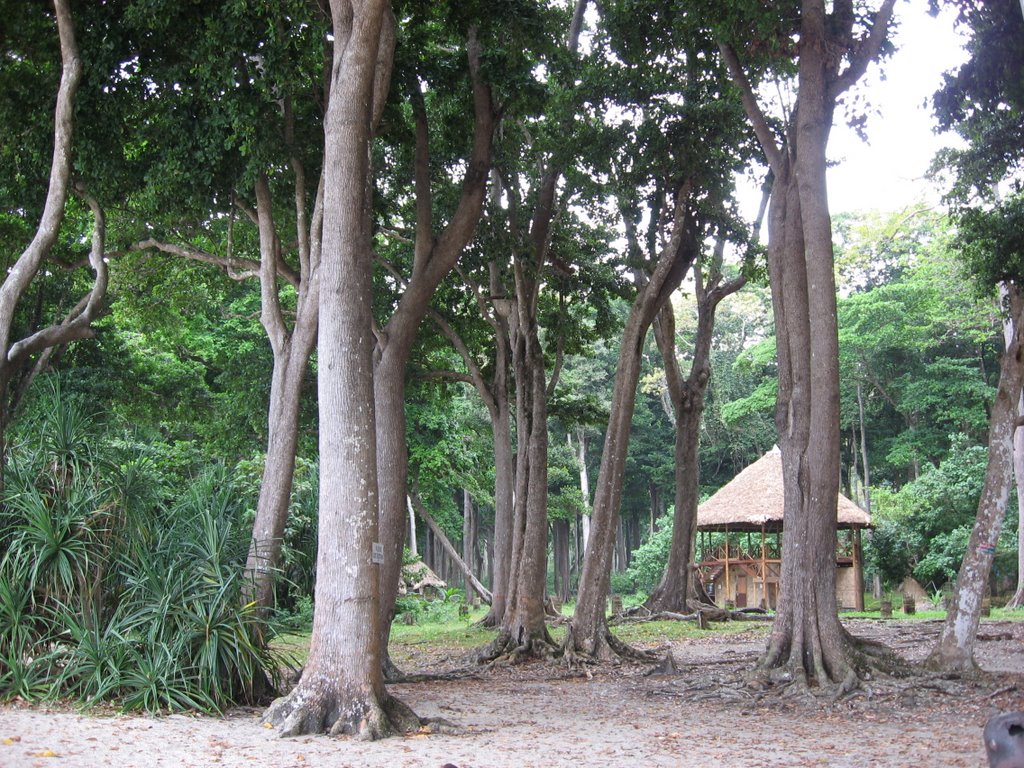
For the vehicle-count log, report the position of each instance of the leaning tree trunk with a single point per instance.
(954, 650)
(291, 352)
(676, 586)
(342, 686)
(588, 633)
(523, 631)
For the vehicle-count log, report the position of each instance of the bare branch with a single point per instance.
(753, 109)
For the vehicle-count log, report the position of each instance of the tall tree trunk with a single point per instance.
(500, 412)
(954, 650)
(1017, 601)
(864, 450)
(560, 547)
(342, 686)
(588, 633)
(807, 642)
(581, 456)
(522, 629)
(469, 536)
(435, 257)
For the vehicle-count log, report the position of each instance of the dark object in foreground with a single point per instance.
(1004, 740)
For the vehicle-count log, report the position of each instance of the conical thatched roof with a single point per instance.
(754, 498)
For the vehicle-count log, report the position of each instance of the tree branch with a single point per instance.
(762, 130)
(866, 52)
(77, 323)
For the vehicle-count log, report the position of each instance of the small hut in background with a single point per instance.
(746, 571)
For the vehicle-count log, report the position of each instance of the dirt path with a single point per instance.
(534, 715)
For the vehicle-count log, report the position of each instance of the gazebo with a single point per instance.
(746, 572)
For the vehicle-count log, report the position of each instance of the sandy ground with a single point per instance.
(538, 715)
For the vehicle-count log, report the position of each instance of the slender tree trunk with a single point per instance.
(278, 474)
(291, 353)
(581, 455)
(677, 586)
(954, 650)
(469, 536)
(588, 633)
(522, 628)
(560, 545)
(1017, 601)
(499, 409)
(435, 257)
(864, 450)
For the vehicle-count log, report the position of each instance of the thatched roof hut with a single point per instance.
(753, 501)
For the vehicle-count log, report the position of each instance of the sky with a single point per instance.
(887, 173)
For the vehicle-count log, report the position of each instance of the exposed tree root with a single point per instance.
(392, 673)
(863, 661)
(303, 712)
(606, 647)
(701, 613)
(507, 649)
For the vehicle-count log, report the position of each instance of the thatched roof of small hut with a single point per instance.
(418, 577)
(754, 498)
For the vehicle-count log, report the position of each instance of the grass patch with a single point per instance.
(655, 632)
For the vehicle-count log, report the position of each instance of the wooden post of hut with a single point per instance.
(728, 588)
(764, 570)
(858, 569)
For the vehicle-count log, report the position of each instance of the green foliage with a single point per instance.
(984, 99)
(649, 560)
(920, 355)
(107, 593)
(992, 242)
(922, 529)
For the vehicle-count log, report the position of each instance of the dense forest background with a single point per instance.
(558, 172)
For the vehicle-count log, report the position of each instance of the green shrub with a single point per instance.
(107, 593)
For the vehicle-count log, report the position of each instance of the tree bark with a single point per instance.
(435, 257)
(581, 455)
(1017, 601)
(291, 353)
(560, 549)
(522, 629)
(677, 586)
(588, 634)
(808, 644)
(495, 395)
(342, 686)
(954, 650)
